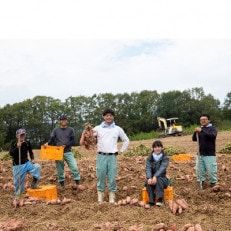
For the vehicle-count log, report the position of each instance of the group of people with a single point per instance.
(107, 135)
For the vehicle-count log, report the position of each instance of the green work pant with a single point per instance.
(207, 164)
(72, 164)
(106, 167)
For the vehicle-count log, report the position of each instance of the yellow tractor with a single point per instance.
(168, 127)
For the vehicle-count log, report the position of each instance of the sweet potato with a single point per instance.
(89, 139)
(180, 209)
(175, 207)
(181, 203)
(191, 229)
(98, 226)
(228, 195)
(184, 201)
(170, 204)
(134, 201)
(141, 203)
(21, 202)
(171, 227)
(65, 201)
(216, 188)
(119, 202)
(15, 203)
(53, 202)
(124, 201)
(128, 199)
(198, 227)
(133, 228)
(186, 226)
(28, 203)
(12, 224)
(159, 226)
(32, 199)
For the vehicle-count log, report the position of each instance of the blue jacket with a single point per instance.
(156, 168)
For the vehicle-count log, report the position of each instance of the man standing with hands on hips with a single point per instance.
(107, 134)
(207, 134)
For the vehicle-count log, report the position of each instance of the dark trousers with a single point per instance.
(157, 190)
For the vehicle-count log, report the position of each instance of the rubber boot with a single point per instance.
(111, 197)
(62, 184)
(34, 183)
(100, 196)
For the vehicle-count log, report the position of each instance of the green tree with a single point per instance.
(227, 107)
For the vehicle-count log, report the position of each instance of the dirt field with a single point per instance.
(205, 207)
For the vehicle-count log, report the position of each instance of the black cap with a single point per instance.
(63, 117)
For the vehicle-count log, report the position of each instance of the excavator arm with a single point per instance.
(163, 121)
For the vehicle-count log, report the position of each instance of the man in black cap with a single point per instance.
(65, 136)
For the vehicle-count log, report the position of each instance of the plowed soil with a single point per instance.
(205, 207)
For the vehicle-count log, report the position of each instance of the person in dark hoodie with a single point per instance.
(156, 179)
(19, 150)
(207, 134)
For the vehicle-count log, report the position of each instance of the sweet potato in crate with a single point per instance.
(51, 152)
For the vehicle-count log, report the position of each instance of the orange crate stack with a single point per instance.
(168, 194)
(51, 152)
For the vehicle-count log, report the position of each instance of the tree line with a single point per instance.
(135, 112)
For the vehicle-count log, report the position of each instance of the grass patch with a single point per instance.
(142, 150)
(143, 136)
(5, 156)
(77, 154)
(226, 149)
(172, 150)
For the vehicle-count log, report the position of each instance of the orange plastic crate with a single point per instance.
(46, 192)
(168, 194)
(51, 152)
(181, 157)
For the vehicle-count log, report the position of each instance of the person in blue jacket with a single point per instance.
(207, 134)
(156, 179)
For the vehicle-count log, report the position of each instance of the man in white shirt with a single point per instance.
(107, 134)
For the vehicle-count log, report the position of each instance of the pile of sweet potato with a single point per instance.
(89, 139)
(186, 227)
(127, 201)
(177, 206)
(11, 225)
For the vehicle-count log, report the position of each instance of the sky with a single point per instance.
(72, 48)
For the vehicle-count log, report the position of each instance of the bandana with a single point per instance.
(157, 157)
(104, 125)
(209, 125)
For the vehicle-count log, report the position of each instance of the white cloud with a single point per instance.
(63, 68)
